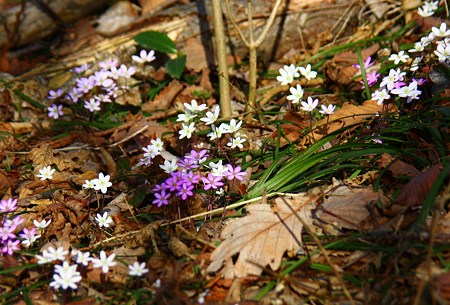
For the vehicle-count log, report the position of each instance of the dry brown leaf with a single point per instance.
(195, 55)
(418, 187)
(397, 167)
(164, 99)
(348, 114)
(262, 237)
(346, 207)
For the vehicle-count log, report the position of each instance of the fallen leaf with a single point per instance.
(418, 187)
(164, 99)
(262, 237)
(397, 167)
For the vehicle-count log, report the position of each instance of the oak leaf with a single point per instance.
(262, 237)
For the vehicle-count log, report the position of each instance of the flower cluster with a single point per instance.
(99, 184)
(287, 76)
(428, 8)
(396, 82)
(371, 74)
(8, 239)
(66, 276)
(94, 88)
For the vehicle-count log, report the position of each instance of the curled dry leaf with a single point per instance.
(263, 236)
(418, 187)
(397, 167)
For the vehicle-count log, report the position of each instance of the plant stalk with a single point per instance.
(221, 53)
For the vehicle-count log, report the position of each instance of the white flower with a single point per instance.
(144, 57)
(157, 144)
(232, 127)
(89, 184)
(187, 130)
(415, 63)
(82, 258)
(400, 57)
(194, 107)
(186, 117)
(150, 151)
(307, 73)
(102, 183)
(218, 169)
(297, 94)
(211, 116)
(104, 261)
(103, 220)
(169, 167)
(65, 276)
(425, 12)
(137, 269)
(409, 91)
(41, 225)
(327, 110)
(393, 77)
(443, 52)
(51, 254)
(92, 105)
(442, 31)
(431, 5)
(55, 111)
(236, 142)
(380, 96)
(310, 105)
(418, 47)
(46, 173)
(287, 74)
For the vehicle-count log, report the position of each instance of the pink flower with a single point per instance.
(234, 173)
(212, 181)
(161, 198)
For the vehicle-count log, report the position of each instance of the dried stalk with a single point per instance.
(253, 45)
(221, 52)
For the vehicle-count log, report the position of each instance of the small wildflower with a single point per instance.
(441, 31)
(170, 166)
(137, 269)
(234, 126)
(310, 105)
(144, 57)
(46, 173)
(187, 131)
(53, 95)
(367, 63)
(10, 247)
(234, 173)
(400, 57)
(287, 74)
(296, 94)
(55, 111)
(29, 236)
(42, 224)
(102, 183)
(380, 96)
(103, 220)
(193, 107)
(307, 73)
(89, 184)
(161, 198)
(327, 110)
(236, 142)
(211, 116)
(104, 262)
(92, 105)
(8, 205)
(65, 277)
(212, 181)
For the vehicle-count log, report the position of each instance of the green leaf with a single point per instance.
(176, 66)
(156, 41)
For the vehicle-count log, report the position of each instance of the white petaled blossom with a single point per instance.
(193, 107)
(144, 57)
(216, 132)
(169, 166)
(425, 12)
(104, 262)
(234, 126)
(443, 52)
(187, 130)
(92, 105)
(46, 173)
(296, 94)
(103, 220)
(380, 96)
(137, 269)
(307, 73)
(441, 31)
(82, 258)
(393, 77)
(327, 110)
(150, 151)
(409, 91)
(89, 184)
(66, 276)
(236, 142)
(42, 224)
(51, 254)
(211, 116)
(186, 117)
(157, 144)
(400, 57)
(102, 183)
(218, 170)
(287, 74)
(418, 47)
(415, 63)
(310, 105)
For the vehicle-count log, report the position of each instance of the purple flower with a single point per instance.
(126, 72)
(159, 187)
(8, 205)
(107, 65)
(366, 63)
(185, 191)
(15, 222)
(85, 84)
(191, 178)
(372, 78)
(187, 163)
(6, 232)
(10, 247)
(234, 173)
(419, 81)
(53, 95)
(198, 157)
(102, 79)
(55, 111)
(212, 181)
(161, 198)
(81, 68)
